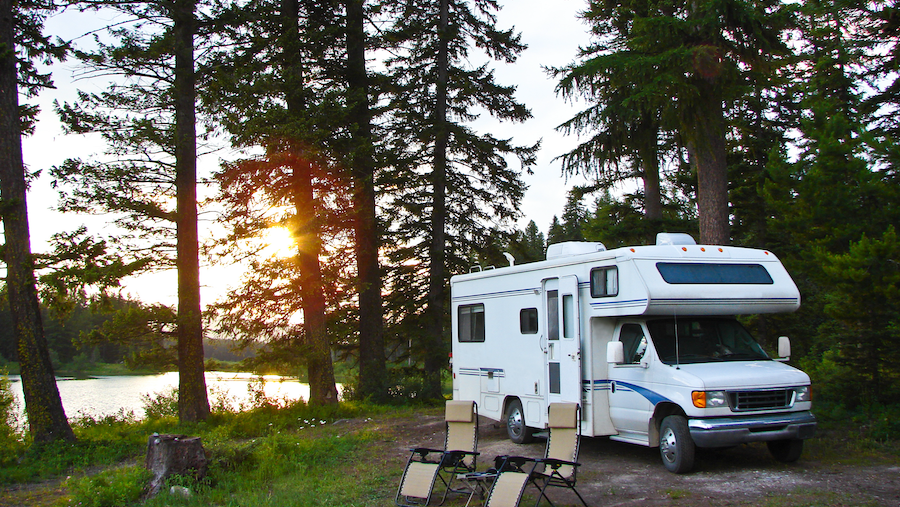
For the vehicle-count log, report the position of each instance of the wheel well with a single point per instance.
(506, 402)
(661, 411)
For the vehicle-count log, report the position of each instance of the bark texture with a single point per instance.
(43, 406)
(174, 455)
(193, 404)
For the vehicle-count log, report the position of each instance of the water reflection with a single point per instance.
(107, 395)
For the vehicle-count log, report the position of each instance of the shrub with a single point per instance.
(161, 404)
(110, 488)
(11, 443)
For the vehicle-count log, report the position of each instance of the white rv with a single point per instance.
(643, 337)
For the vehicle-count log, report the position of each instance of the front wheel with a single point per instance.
(518, 432)
(675, 445)
(786, 451)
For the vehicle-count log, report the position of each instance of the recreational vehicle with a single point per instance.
(644, 338)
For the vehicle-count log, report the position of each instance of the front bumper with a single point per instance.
(729, 431)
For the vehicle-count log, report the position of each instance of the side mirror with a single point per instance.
(784, 347)
(615, 352)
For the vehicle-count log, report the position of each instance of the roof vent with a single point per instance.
(674, 238)
(571, 248)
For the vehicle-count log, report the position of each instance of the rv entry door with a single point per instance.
(563, 339)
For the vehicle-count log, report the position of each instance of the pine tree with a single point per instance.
(452, 181)
(20, 30)
(269, 88)
(673, 66)
(150, 125)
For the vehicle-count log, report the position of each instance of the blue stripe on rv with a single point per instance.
(605, 385)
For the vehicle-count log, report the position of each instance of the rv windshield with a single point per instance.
(703, 340)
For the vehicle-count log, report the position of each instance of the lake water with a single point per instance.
(107, 395)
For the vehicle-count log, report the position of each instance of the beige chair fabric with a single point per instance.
(563, 441)
(418, 480)
(462, 429)
(507, 490)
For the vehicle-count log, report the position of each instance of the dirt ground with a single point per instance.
(619, 474)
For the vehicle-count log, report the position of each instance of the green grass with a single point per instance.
(298, 455)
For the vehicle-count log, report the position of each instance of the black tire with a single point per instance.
(786, 451)
(518, 432)
(676, 447)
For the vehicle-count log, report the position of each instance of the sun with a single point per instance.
(279, 242)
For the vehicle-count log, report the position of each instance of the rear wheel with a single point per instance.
(786, 451)
(515, 424)
(675, 445)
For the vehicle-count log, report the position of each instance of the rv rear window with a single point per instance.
(471, 323)
(604, 282)
(528, 320)
(703, 273)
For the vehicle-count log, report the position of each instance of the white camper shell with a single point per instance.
(643, 337)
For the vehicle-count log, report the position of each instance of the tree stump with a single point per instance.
(174, 455)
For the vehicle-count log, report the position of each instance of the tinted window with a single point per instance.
(528, 321)
(471, 323)
(604, 282)
(680, 273)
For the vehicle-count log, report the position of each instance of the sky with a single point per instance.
(551, 30)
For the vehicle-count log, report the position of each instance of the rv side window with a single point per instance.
(633, 342)
(708, 273)
(604, 282)
(528, 320)
(471, 323)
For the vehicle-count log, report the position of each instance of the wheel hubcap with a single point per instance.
(516, 426)
(667, 445)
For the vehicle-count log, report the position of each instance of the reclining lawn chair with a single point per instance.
(458, 456)
(559, 466)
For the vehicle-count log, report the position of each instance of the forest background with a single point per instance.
(765, 124)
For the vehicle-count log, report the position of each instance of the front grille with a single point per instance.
(760, 400)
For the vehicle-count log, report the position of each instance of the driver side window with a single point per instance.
(634, 343)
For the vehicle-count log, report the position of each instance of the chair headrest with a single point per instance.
(563, 415)
(460, 411)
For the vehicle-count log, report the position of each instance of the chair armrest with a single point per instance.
(556, 463)
(512, 463)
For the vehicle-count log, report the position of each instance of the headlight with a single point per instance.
(803, 393)
(709, 399)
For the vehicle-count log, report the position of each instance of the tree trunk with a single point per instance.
(193, 404)
(174, 455)
(705, 135)
(307, 231)
(648, 151)
(372, 367)
(43, 406)
(435, 347)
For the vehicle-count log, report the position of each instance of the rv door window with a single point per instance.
(471, 323)
(528, 321)
(553, 315)
(604, 282)
(568, 316)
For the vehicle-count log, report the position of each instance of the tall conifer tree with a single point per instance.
(21, 23)
(150, 125)
(454, 182)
